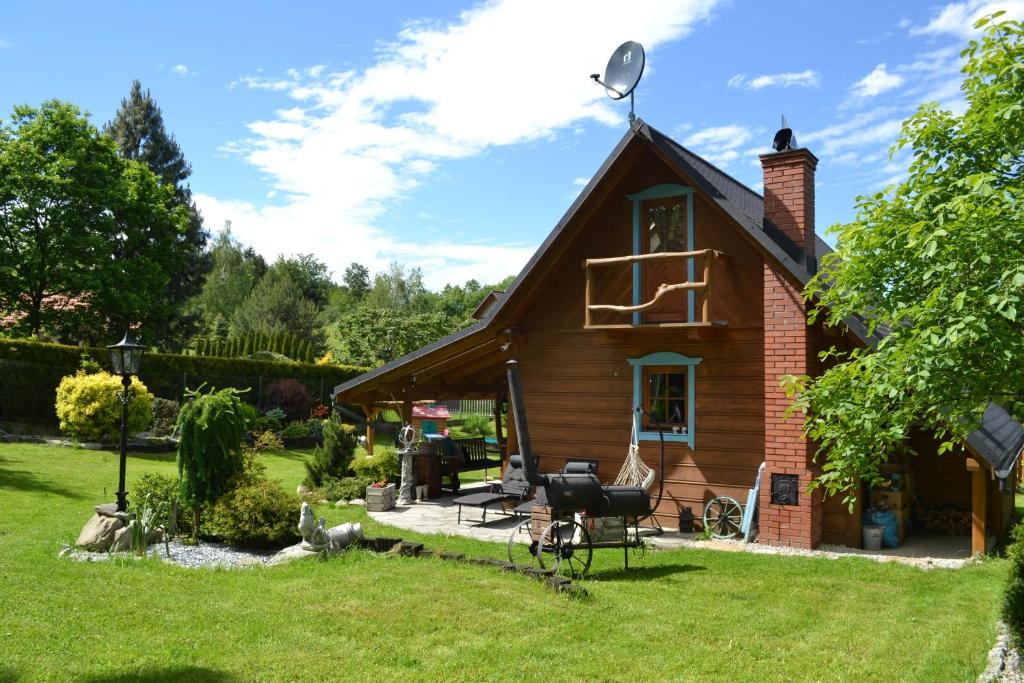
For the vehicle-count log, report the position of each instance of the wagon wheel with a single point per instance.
(565, 545)
(723, 516)
(522, 554)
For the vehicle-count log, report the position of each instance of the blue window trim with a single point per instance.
(665, 358)
(663, 191)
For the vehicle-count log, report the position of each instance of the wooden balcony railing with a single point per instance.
(709, 256)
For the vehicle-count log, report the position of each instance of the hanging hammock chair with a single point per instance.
(635, 471)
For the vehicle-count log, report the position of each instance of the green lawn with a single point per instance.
(680, 615)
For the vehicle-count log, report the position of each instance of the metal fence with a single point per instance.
(28, 390)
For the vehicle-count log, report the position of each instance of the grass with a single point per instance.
(679, 615)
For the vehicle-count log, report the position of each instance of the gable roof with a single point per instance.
(999, 440)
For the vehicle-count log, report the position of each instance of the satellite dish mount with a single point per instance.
(625, 67)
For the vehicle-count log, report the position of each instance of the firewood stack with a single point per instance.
(941, 518)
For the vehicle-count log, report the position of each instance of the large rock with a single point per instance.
(123, 539)
(98, 533)
(110, 510)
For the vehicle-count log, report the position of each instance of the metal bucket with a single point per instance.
(872, 537)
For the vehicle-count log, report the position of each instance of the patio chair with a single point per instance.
(513, 488)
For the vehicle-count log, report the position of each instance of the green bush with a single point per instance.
(165, 416)
(89, 410)
(249, 415)
(267, 442)
(264, 423)
(295, 429)
(159, 489)
(382, 466)
(478, 425)
(1013, 598)
(332, 459)
(346, 488)
(258, 514)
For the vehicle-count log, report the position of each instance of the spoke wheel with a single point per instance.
(519, 553)
(723, 516)
(565, 548)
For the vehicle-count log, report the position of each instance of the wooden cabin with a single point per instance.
(671, 286)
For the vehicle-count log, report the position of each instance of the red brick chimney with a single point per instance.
(789, 349)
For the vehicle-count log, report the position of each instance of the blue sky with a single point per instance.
(452, 136)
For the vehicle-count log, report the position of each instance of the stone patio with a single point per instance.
(439, 516)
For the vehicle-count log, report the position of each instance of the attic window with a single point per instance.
(666, 226)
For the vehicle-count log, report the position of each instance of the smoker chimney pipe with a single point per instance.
(515, 391)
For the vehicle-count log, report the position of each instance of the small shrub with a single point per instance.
(158, 489)
(260, 514)
(265, 423)
(249, 415)
(295, 429)
(267, 442)
(88, 365)
(290, 396)
(382, 466)
(332, 459)
(1013, 598)
(89, 410)
(315, 428)
(346, 488)
(165, 416)
(478, 425)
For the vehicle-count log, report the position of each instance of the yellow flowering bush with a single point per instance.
(89, 410)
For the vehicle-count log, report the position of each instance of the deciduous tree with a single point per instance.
(935, 265)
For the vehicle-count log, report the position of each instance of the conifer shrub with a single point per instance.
(210, 448)
(333, 458)
(89, 410)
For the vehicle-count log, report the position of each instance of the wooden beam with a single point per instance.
(659, 256)
(978, 506)
(662, 290)
(412, 391)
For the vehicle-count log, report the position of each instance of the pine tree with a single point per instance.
(138, 129)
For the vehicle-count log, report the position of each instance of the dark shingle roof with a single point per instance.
(1000, 439)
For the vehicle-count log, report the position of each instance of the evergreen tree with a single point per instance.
(138, 130)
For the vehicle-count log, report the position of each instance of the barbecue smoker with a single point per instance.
(565, 543)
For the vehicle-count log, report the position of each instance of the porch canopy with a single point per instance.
(466, 365)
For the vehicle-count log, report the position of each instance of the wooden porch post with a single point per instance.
(978, 506)
(407, 411)
(371, 414)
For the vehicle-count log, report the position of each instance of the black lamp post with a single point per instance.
(125, 359)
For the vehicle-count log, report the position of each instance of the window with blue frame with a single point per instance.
(663, 387)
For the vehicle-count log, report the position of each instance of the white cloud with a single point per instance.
(719, 144)
(958, 18)
(5, 44)
(876, 83)
(358, 141)
(807, 79)
(581, 182)
(181, 70)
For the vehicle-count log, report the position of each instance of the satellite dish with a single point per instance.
(625, 67)
(784, 138)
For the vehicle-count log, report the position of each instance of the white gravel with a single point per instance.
(202, 555)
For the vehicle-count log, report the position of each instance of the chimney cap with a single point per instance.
(784, 138)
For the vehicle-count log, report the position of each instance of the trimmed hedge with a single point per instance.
(30, 371)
